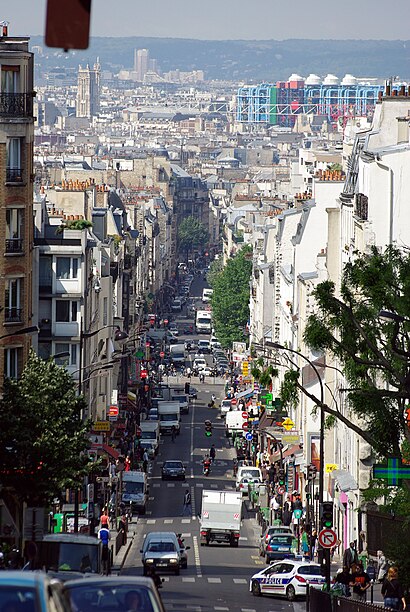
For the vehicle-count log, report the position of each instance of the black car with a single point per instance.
(173, 469)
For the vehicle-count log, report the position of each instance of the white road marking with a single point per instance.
(220, 609)
(185, 520)
(240, 581)
(151, 521)
(189, 579)
(156, 485)
(214, 580)
(168, 521)
(170, 485)
(196, 557)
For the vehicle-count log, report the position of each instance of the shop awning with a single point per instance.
(345, 480)
(246, 393)
(112, 452)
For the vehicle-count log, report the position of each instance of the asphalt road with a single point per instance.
(217, 577)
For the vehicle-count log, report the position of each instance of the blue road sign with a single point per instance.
(248, 436)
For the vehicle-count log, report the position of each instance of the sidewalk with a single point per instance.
(120, 557)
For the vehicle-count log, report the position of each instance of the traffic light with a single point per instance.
(311, 472)
(208, 430)
(326, 514)
(281, 477)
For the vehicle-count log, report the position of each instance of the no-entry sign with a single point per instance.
(327, 538)
(245, 415)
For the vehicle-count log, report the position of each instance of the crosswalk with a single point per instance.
(208, 579)
(199, 485)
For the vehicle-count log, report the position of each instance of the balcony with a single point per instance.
(14, 246)
(16, 105)
(13, 315)
(14, 175)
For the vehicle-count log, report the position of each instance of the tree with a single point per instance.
(42, 436)
(191, 233)
(230, 299)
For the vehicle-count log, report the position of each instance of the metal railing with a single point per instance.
(16, 105)
(322, 601)
(14, 245)
(13, 315)
(14, 175)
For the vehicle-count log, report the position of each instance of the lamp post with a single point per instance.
(33, 329)
(322, 412)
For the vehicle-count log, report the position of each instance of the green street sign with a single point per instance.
(394, 472)
(139, 354)
(298, 513)
(268, 397)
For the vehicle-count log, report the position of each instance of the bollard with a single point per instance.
(307, 596)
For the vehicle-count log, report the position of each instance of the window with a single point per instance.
(67, 267)
(10, 79)
(12, 362)
(66, 347)
(105, 311)
(12, 311)
(66, 311)
(13, 162)
(14, 230)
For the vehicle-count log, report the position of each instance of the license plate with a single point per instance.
(162, 564)
(283, 549)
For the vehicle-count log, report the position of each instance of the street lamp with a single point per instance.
(278, 346)
(33, 329)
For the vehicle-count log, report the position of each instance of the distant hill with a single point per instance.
(243, 60)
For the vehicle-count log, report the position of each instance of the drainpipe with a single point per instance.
(390, 171)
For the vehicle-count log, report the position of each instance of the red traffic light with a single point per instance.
(162, 354)
(144, 374)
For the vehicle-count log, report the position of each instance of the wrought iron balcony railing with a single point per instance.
(13, 315)
(16, 105)
(14, 245)
(14, 175)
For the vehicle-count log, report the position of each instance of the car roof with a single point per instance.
(109, 581)
(26, 579)
(72, 538)
(165, 535)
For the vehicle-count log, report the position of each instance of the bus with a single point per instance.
(206, 295)
(203, 322)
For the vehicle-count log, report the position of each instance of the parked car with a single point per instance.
(279, 546)
(113, 593)
(31, 591)
(269, 532)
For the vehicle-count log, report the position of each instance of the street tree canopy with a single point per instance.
(191, 233)
(42, 437)
(230, 298)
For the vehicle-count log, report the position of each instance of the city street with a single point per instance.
(217, 577)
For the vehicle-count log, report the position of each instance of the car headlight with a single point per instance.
(173, 560)
(149, 560)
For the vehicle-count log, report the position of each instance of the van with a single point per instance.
(176, 305)
(135, 490)
(150, 434)
(204, 346)
(226, 406)
(250, 472)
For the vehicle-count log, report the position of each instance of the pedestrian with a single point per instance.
(287, 512)
(104, 520)
(187, 507)
(173, 433)
(145, 460)
(212, 453)
(304, 542)
(361, 582)
(122, 528)
(274, 507)
(343, 582)
(350, 556)
(382, 566)
(105, 536)
(313, 540)
(392, 590)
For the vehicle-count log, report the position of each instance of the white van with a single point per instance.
(135, 490)
(206, 295)
(250, 472)
(150, 436)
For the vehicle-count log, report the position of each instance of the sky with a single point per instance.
(228, 19)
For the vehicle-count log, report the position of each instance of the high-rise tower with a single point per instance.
(141, 63)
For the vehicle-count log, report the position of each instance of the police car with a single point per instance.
(288, 577)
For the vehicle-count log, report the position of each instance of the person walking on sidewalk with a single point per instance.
(392, 590)
(105, 536)
(122, 528)
(173, 433)
(187, 508)
(212, 453)
(350, 556)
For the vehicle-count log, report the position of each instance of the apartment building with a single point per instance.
(16, 201)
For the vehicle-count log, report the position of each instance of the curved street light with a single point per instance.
(33, 329)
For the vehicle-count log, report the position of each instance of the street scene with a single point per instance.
(205, 328)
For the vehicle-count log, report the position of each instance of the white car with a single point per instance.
(199, 364)
(289, 578)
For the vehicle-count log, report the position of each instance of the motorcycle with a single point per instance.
(206, 470)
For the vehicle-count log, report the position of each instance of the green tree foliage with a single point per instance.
(42, 437)
(230, 299)
(215, 268)
(191, 233)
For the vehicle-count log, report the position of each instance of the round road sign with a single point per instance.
(245, 415)
(281, 490)
(245, 425)
(327, 538)
(234, 401)
(248, 436)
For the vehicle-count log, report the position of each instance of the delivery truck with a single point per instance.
(169, 416)
(150, 437)
(234, 423)
(221, 517)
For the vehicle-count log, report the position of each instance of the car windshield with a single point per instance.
(247, 473)
(88, 598)
(14, 598)
(70, 556)
(132, 487)
(173, 465)
(281, 539)
(161, 547)
(168, 417)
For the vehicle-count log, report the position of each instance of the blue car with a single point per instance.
(279, 546)
(31, 591)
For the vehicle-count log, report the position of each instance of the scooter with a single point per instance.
(206, 470)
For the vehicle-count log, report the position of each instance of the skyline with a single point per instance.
(154, 19)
